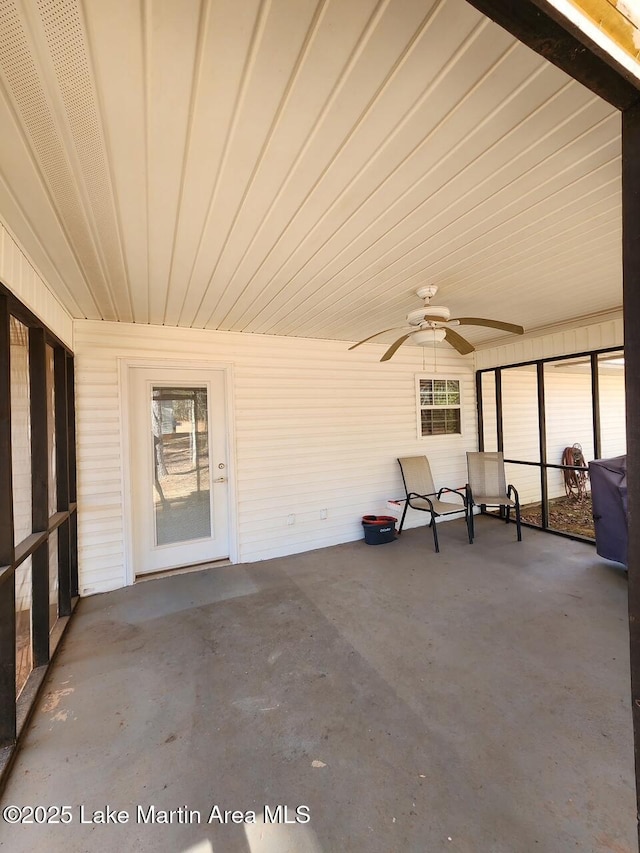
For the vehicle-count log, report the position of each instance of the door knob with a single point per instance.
(220, 480)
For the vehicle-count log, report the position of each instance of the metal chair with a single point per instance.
(421, 494)
(487, 486)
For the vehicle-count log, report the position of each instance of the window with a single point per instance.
(439, 407)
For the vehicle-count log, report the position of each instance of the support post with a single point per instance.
(499, 427)
(7, 575)
(631, 278)
(480, 407)
(73, 494)
(542, 438)
(595, 404)
(62, 479)
(39, 494)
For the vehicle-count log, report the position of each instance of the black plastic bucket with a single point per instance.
(379, 529)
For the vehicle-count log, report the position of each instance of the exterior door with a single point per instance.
(179, 489)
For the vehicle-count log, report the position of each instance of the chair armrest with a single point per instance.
(426, 498)
(459, 492)
(512, 490)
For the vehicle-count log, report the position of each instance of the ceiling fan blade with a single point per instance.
(458, 342)
(395, 346)
(383, 332)
(494, 324)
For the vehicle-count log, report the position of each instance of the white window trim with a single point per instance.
(449, 376)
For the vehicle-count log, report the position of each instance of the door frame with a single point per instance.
(125, 365)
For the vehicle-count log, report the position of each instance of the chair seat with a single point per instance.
(439, 507)
(492, 500)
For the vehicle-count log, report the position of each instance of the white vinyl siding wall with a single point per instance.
(315, 427)
(19, 275)
(568, 341)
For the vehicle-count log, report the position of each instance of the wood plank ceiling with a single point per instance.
(300, 167)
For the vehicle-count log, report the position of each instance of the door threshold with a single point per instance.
(183, 570)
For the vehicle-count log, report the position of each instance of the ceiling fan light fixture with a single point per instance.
(428, 336)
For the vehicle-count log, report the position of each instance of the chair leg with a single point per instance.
(404, 512)
(518, 527)
(466, 518)
(435, 533)
(507, 512)
(472, 531)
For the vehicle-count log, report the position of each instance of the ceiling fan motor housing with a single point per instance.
(429, 314)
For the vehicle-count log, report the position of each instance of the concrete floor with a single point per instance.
(475, 701)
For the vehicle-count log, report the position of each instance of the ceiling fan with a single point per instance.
(432, 324)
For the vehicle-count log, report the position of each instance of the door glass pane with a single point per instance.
(182, 495)
(20, 430)
(613, 433)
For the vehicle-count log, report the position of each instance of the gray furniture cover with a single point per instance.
(609, 498)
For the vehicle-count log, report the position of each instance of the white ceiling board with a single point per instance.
(37, 225)
(301, 168)
(35, 98)
(467, 249)
(115, 39)
(59, 37)
(278, 38)
(230, 32)
(366, 122)
(171, 45)
(454, 192)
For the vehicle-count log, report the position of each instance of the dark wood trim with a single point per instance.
(631, 291)
(14, 713)
(56, 520)
(551, 465)
(26, 548)
(499, 423)
(543, 29)
(480, 408)
(585, 355)
(71, 428)
(62, 433)
(7, 659)
(542, 439)
(6, 481)
(39, 438)
(28, 318)
(27, 700)
(7, 553)
(595, 409)
(73, 555)
(62, 480)
(39, 494)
